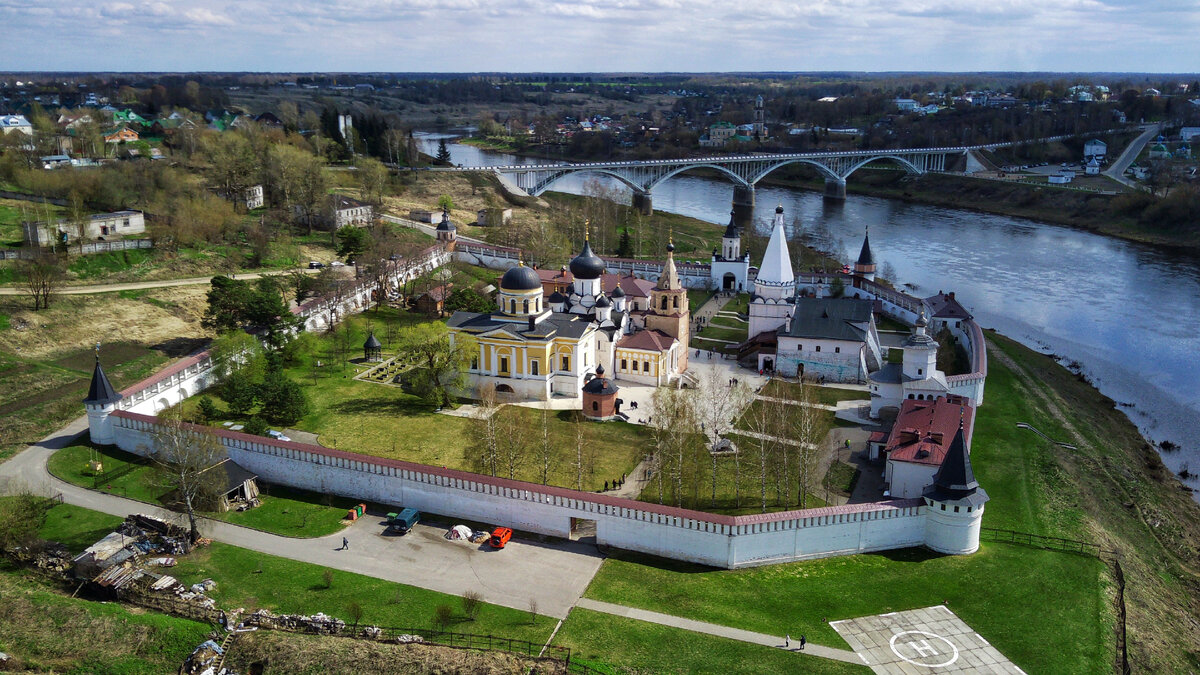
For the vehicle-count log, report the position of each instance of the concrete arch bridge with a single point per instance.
(744, 171)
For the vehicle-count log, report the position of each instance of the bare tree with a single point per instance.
(41, 275)
(186, 456)
(808, 426)
(762, 419)
(579, 462)
(485, 444)
(676, 434)
(718, 403)
(545, 449)
(513, 440)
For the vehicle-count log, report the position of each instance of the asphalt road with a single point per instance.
(1116, 170)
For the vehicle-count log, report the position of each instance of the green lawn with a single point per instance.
(385, 421)
(715, 332)
(883, 322)
(613, 644)
(697, 298)
(994, 591)
(738, 304)
(255, 580)
(292, 513)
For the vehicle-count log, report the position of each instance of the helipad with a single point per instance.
(929, 640)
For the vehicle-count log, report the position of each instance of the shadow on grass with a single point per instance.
(397, 406)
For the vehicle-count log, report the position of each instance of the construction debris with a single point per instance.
(204, 659)
(318, 623)
(459, 532)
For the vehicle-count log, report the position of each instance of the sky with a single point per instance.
(601, 35)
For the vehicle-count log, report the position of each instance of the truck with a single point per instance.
(402, 522)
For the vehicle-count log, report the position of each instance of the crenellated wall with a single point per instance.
(681, 534)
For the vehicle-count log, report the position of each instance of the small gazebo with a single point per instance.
(372, 348)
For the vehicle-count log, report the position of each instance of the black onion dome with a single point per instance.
(618, 292)
(779, 209)
(520, 278)
(671, 246)
(587, 265)
(557, 297)
(603, 301)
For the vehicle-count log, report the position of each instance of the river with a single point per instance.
(1129, 314)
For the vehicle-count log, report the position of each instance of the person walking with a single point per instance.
(345, 544)
(803, 641)
(787, 641)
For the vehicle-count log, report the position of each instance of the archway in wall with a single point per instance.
(162, 404)
(583, 529)
(728, 282)
(504, 389)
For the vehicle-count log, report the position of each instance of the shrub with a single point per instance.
(255, 426)
(327, 577)
(443, 615)
(208, 409)
(472, 602)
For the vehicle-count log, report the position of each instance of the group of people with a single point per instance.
(787, 641)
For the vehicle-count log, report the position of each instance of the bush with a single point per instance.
(208, 409)
(283, 401)
(443, 615)
(255, 426)
(472, 602)
(327, 577)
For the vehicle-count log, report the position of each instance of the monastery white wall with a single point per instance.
(719, 541)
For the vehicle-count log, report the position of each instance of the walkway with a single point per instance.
(424, 558)
(718, 630)
(141, 285)
(1116, 170)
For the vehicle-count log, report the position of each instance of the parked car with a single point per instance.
(404, 521)
(500, 537)
(314, 265)
(277, 435)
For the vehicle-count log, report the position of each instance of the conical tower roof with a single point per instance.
(101, 392)
(776, 267)
(954, 481)
(731, 231)
(446, 225)
(669, 279)
(372, 342)
(864, 256)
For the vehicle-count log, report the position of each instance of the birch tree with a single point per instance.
(808, 426)
(484, 448)
(545, 449)
(184, 454)
(718, 405)
(676, 435)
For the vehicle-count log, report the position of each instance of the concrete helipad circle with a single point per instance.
(924, 651)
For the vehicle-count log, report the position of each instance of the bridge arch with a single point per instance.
(821, 168)
(907, 165)
(738, 180)
(543, 185)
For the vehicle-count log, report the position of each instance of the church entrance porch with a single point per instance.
(729, 282)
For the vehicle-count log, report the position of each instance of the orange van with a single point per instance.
(500, 537)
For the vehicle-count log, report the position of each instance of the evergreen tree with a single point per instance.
(625, 247)
(283, 401)
(239, 392)
(443, 152)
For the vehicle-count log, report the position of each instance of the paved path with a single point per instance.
(718, 630)
(424, 558)
(140, 285)
(1116, 170)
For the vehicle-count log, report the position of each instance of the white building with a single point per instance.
(346, 211)
(775, 285)
(1094, 149)
(833, 339)
(919, 441)
(906, 104)
(105, 226)
(1092, 168)
(730, 268)
(915, 377)
(17, 123)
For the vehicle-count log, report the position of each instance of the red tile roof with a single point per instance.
(924, 429)
(633, 286)
(649, 340)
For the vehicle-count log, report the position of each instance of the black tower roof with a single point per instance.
(731, 231)
(520, 278)
(101, 392)
(372, 342)
(954, 482)
(446, 225)
(864, 256)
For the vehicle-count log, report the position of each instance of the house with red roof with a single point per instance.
(920, 439)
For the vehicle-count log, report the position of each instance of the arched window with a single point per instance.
(664, 302)
(676, 302)
(512, 306)
(525, 307)
(595, 405)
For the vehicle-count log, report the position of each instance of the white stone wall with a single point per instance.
(720, 541)
(907, 480)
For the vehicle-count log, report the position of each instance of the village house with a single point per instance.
(106, 226)
(18, 123)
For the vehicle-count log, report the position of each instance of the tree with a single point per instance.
(545, 449)
(353, 241)
(372, 180)
(513, 440)
(807, 426)
(468, 300)
(445, 203)
(227, 300)
(41, 275)
(184, 454)
(718, 404)
(439, 360)
(283, 401)
(763, 420)
(484, 449)
(237, 351)
(234, 166)
(239, 391)
(675, 429)
(443, 152)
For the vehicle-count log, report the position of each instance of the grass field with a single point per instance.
(14, 212)
(292, 513)
(615, 644)
(384, 421)
(994, 590)
(823, 395)
(255, 580)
